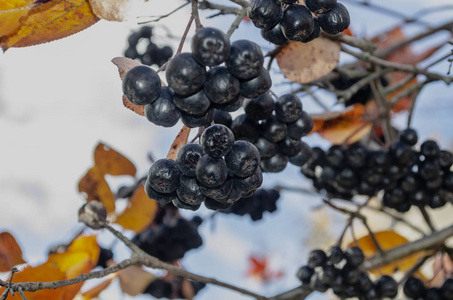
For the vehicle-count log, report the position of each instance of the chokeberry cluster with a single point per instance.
(170, 241)
(193, 92)
(276, 129)
(218, 172)
(340, 271)
(414, 288)
(153, 55)
(283, 20)
(168, 288)
(261, 201)
(408, 177)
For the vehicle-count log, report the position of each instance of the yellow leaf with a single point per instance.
(95, 187)
(139, 213)
(10, 13)
(303, 63)
(387, 239)
(49, 21)
(109, 161)
(10, 252)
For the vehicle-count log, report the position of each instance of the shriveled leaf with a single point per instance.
(180, 140)
(10, 252)
(139, 213)
(303, 63)
(110, 161)
(347, 126)
(95, 187)
(187, 289)
(387, 239)
(49, 21)
(10, 13)
(110, 10)
(124, 64)
(134, 280)
(95, 291)
(259, 268)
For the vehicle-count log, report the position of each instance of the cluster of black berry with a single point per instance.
(171, 240)
(193, 93)
(340, 271)
(408, 177)
(217, 172)
(283, 20)
(164, 288)
(276, 129)
(414, 288)
(261, 201)
(153, 55)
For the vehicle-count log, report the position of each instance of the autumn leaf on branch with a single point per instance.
(10, 252)
(339, 127)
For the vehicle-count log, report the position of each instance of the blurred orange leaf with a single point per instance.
(340, 127)
(60, 266)
(303, 63)
(259, 268)
(442, 269)
(180, 140)
(109, 161)
(387, 239)
(139, 213)
(95, 187)
(10, 252)
(134, 280)
(36, 23)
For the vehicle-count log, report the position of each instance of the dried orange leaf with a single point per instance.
(303, 63)
(340, 127)
(110, 161)
(95, 187)
(10, 13)
(139, 213)
(180, 140)
(49, 21)
(134, 280)
(387, 239)
(187, 290)
(10, 252)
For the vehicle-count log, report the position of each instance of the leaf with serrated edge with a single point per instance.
(304, 63)
(180, 140)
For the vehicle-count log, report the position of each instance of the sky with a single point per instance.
(59, 99)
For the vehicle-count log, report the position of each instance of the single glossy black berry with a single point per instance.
(301, 127)
(320, 6)
(141, 85)
(221, 86)
(354, 256)
(335, 254)
(217, 140)
(315, 33)
(409, 136)
(335, 20)
(265, 148)
(188, 157)
(289, 146)
(163, 111)
(304, 274)
(259, 108)
(219, 193)
(161, 198)
(245, 60)
(414, 288)
(288, 108)
(256, 86)
(274, 164)
(316, 258)
(274, 130)
(159, 288)
(303, 156)
(244, 159)
(297, 22)
(222, 117)
(248, 185)
(210, 46)
(245, 128)
(198, 121)
(274, 35)
(164, 176)
(387, 287)
(196, 104)
(265, 13)
(189, 191)
(184, 74)
(216, 205)
(210, 171)
(430, 149)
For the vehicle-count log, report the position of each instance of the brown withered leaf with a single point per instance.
(347, 126)
(124, 64)
(303, 63)
(442, 269)
(110, 161)
(10, 252)
(95, 187)
(138, 109)
(180, 140)
(44, 22)
(110, 10)
(387, 239)
(139, 213)
(134, 280)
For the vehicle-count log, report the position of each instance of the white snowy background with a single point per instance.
(59, 99)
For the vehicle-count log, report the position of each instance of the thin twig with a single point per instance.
(239, 16)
